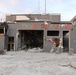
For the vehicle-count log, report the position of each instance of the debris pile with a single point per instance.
(35, 50)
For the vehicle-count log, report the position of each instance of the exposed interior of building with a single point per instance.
(55, 35)
(30, 38)
(66, 41)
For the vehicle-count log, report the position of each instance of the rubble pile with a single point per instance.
(35, 50)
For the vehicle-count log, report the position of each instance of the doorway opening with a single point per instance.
(10, 43)
(1, 31)
(65, 41)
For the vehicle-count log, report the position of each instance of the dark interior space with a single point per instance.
(31, 38)
(1, 31)
(65, 41)
(10, 43)
(52, 33)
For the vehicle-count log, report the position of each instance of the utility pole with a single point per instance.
(38, 6)
(45, 31)
(45, 6)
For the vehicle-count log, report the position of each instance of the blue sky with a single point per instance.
(67, 8)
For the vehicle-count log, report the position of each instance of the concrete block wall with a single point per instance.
(2, 42)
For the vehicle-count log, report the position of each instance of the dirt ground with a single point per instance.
(27, 63)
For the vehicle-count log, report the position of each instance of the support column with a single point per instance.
(16, 46)
(45, 36)
(61, 40)
(4, 30)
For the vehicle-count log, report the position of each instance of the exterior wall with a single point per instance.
(73, 34)
(13, 29)
(6, 42)
(55, 18)
(50, 17)
(36, 25)
(48, 46)
(33, 16)
(2, 42)
(10, 18)
(73, 39)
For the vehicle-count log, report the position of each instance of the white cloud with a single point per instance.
(3, 6)
(8, 6)
(58, 0)
(13, 2)
(55, 1)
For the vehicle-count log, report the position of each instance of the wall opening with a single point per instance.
(30, 38)
(10, 43)
(1, 32)
(52, 33)
(56, 40)
(65, 41)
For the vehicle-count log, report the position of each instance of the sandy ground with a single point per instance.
(27, 63)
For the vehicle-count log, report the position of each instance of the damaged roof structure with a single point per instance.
(45, 31)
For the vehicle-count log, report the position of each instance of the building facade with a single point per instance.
(38, 30)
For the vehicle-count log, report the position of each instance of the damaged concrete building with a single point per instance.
(37, 30)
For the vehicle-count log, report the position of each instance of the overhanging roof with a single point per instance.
(4, 24)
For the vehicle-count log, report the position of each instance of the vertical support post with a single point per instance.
(44, 27)
(71, 50)
(61, 39)
(69, 41)
(16, 46)
(4, 30)
(45, 36)
(45, 33)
